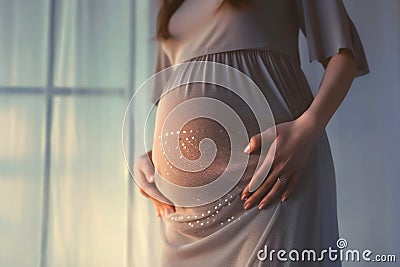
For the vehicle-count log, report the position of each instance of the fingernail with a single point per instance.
(246, 206)
(247, 149)
(243, 196)
(283, 198)
(252, 187)
(151, 179)
(262, 205)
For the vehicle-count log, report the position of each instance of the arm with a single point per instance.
(144, 167)
(339, 73)
(295, 139)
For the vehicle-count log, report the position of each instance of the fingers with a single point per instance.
(144, 167)
(245, 192)
(157, 203)
(254, 143)
(143, 192)
(262, 172)
(152, 192)
(269, 135)
(262, 190)
(144, 175)
(148, 170)
(144, 170)
(161, 208)
(290, 187)
(266, 136)
(277, 189)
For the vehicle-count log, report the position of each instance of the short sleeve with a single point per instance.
(162, 62)
(327, 28)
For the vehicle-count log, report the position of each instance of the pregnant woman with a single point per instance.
(284, 199)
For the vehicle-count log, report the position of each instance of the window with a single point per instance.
(67, 70)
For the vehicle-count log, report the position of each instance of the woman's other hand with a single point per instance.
(144, 173)
(293, 144)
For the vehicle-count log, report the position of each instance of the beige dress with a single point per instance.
(261, 41)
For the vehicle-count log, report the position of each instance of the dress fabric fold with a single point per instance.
(222, 233)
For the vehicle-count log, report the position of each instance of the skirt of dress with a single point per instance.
(222, 233)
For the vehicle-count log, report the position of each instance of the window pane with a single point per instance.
(88, 185)
(92, 43)
(21, 172)
(23, 42)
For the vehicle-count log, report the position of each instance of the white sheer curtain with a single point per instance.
(67, 70)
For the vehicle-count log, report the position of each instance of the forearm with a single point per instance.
(336, 82)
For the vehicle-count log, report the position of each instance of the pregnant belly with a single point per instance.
(200, 134)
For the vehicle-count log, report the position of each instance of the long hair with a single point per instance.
(168, 8)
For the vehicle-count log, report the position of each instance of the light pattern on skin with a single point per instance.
(201, 107)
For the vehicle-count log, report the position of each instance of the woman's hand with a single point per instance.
(293, 144)
(144, 173)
